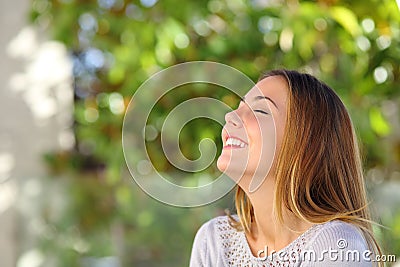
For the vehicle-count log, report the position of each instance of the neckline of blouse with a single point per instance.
(279, 252)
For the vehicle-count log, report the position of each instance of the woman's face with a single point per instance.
(253, 132)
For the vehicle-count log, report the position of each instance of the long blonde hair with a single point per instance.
(319, 174)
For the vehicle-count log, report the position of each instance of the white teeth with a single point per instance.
(235, 142)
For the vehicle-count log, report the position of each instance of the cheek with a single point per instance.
(279, 136)
(262, 135)
(254, 133)
(262, 144)
(266, 145)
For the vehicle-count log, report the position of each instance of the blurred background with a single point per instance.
(70, 67)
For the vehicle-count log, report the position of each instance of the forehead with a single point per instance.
(274, 87)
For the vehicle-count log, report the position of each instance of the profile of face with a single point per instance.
(253, 134)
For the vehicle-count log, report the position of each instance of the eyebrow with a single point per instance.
(260, 97)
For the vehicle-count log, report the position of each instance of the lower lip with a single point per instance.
(233, 147)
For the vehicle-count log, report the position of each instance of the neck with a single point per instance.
(266, 230)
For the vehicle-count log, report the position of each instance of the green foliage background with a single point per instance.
(354, 46)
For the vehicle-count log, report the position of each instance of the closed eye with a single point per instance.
(261, 111)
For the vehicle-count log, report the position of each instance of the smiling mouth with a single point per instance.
(233, 142)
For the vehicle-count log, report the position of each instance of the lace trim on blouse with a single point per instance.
(237, 252)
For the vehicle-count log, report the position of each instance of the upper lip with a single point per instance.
(226, 136)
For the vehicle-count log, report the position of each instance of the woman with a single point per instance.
(306, 204)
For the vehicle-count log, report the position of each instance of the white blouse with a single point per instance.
(330, 244)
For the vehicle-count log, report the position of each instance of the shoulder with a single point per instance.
(337, 243)
(216, 225)
(339, 234)
(210, 227)
(209, 241)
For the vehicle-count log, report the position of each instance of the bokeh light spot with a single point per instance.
(368, 25)
(380, 75)
(181, 40)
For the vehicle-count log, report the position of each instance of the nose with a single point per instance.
(233, 119)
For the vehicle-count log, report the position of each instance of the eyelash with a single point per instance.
(256, 110)
(261, 111)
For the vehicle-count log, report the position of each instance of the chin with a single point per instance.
(222, 164)
(233, 171)
(226, 160)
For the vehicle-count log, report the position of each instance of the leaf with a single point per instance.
(378, 123)
(347, 19)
